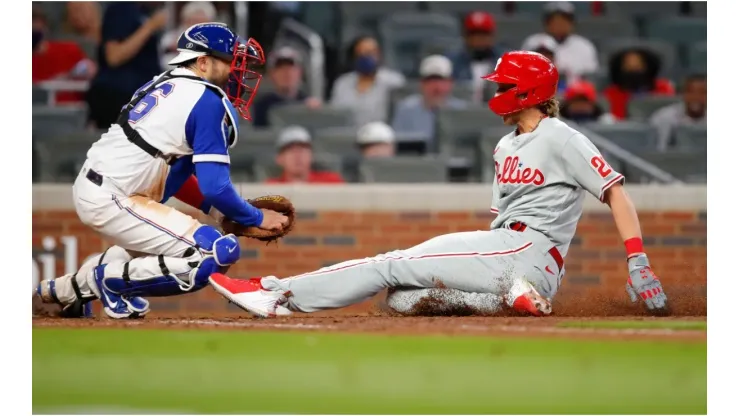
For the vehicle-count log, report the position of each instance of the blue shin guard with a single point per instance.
(167, 276)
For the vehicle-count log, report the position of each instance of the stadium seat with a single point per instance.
(601, 29)
(691, 136)
(684, 165)
(311, 119)
(458, 131)
(682, 30)
(51, 121)
(600, 79)
(641, 108)
(487, 143)
(462, 8)
(697, 57)
(336, 140)
(404, 35)
(65, 155)
(256, 145)
(536, 8)
(39, 96)
(699, 9)
(322, 17)
(666, 51)
(428, 169)
(642, 9)
(511, 30)
(367, 15)
(632, 136)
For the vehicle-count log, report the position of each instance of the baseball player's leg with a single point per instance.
(478, 262)
(166, 252)
(443, 301)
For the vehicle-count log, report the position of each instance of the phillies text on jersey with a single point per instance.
(541, 176)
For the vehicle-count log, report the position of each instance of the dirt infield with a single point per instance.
(373, 317)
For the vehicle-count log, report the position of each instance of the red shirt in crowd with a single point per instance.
(58, 58)
(618, 98)
(313, 177)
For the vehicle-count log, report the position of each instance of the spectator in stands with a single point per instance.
(376, 139)
(691, 110)
(84, 20)
(366, 90)
(417, 114)
(128, 57)
(57, 59)
(191, 14)
(479, 56)
(286, 74)
(546, 45)
(295, 158)
(580, 105)
(634, 71)
(575, 55)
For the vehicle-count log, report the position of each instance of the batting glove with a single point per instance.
(644, 283)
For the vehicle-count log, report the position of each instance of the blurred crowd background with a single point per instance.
(387, 91)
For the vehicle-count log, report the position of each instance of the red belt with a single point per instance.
(520, 226)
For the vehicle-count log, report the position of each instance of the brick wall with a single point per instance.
(675, 241)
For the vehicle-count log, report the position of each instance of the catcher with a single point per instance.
(176, 127)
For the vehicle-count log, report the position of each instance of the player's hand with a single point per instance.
(158, 20)
(643, 283)
(272, 220)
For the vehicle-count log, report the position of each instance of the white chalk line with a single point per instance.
(266, 324)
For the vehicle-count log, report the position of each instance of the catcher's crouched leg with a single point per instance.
(442, 302)
(121, 281)
(69, 296)
(171, 276)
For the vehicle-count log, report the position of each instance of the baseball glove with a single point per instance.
(275, 203)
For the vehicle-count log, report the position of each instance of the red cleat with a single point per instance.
(250, 295)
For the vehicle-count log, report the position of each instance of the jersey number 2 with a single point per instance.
(601, 166)
(147, 104)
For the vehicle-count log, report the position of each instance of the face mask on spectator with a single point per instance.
(38, 36)
(582, 117)
(366, 64)
(482, 54)
(635, 80)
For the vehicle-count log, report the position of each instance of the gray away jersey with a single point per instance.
(540, 178)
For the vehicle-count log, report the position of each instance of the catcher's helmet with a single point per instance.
(217, 40)
(525, 79)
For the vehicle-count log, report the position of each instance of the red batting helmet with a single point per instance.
(532, 77)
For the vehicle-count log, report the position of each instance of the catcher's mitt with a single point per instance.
(275, 203)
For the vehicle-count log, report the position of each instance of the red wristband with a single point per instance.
(633, 246)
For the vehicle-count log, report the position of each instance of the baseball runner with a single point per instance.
(179, 125)
(542, 171)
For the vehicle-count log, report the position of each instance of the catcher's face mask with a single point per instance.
(244, 80)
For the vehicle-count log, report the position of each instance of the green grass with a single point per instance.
(250, 372)
(649, 324)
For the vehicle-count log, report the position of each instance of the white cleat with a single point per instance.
(251, 296)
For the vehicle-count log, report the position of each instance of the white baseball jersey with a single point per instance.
(540, 178)
(168, 119)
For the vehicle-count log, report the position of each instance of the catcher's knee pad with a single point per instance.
(224, 248)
